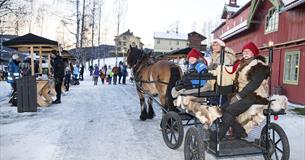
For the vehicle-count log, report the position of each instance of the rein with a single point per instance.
(137, 69)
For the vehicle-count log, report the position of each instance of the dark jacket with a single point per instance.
(58, 67)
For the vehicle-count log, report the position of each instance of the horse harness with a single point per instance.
(138, 79)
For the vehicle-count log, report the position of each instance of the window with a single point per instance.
(133, 44)
(158, 41)
(124, 43)
(120, 43)
(241, 19)
(124, 38)
(119, 48)
(272, 21)
(171, 48)
(291, 67)
(177, 43)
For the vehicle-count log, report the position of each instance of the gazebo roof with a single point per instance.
(22, 43)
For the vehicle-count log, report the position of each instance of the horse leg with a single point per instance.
(151, 113)
(143, 115)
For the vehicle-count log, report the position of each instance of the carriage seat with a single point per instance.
(210, 89)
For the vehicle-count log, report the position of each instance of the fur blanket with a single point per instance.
(249, 119)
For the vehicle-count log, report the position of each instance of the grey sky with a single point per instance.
(143, 17)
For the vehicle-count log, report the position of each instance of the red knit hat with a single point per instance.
(194, 53)
(252, 47)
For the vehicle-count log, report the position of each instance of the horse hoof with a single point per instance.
(142, 118)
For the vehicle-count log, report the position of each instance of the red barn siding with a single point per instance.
(291, 27)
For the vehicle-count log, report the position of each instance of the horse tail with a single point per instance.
(175, 76)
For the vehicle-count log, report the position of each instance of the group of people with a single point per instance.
(251, 74)
(62, 73)
(109, 75)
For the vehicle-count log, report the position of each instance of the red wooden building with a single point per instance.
(279, 21)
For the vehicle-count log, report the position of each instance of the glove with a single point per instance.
(235, 99)
(212, 66)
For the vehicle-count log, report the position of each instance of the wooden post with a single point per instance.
(32, 60)
(49, 64)
(40, 60)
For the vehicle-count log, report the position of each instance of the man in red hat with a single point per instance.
(195, 66)
(251, 88)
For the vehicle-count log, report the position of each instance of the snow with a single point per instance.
(235, 30)
(102, 122)
(5, 90)
(171, 35)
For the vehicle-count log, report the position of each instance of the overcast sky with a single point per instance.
(144, 17)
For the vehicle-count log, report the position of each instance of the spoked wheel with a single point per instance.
(278, 145)
(194, 145)
(172, 130)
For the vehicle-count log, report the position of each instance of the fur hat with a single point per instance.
(221, 43)
(251, 46)
(15, 56)
(194, 53)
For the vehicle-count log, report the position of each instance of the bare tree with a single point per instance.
(120, 8)
(99, 30)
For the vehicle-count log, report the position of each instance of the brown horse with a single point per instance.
(154, 78)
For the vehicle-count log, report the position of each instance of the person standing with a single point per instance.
(91, 70)
(109, 74)
(59, 72)
(124, 73)
(115, 71)
(120, 73)
(13, 75)
(81, 73)
(96, 74)
(67, 78)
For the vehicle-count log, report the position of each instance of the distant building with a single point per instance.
(124, 40)
(195, 40)
(169, 41)
(279, 21)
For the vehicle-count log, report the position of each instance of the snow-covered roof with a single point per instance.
(232, 9)
(171, 35)
(237, 29)
(289, 4)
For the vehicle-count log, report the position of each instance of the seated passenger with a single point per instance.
(252, 88)
(196, 66)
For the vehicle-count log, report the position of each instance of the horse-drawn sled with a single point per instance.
(202, 116)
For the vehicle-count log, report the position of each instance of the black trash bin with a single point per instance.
(27, 94)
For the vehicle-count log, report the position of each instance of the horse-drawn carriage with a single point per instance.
(203, 117)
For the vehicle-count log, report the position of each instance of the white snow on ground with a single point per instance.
(5, 89)
(101, 123)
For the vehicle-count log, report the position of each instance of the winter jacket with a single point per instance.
(13, 71)
(199, 67)
(75, 70)
(58, 67)
(252, 79)
(230, 58)
(96, 72)
(115, 70)
(68, 76)
(124, 70)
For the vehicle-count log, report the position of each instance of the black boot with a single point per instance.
(57, 101)
(227, 121)
(238, 131)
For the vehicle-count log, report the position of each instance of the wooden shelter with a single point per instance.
(33, 43)
(176, 54)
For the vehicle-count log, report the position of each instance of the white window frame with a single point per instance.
(288, 80)
(273, 23)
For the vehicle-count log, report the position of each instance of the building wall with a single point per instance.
(125, 43)
(195, 42)
(291, 28)
(167, 45)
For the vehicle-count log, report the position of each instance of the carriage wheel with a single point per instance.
(278, 143)
(172, 130)
(194, 145)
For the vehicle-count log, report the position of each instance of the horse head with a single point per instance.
(133, 55)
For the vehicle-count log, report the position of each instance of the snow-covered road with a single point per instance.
(100, 123)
